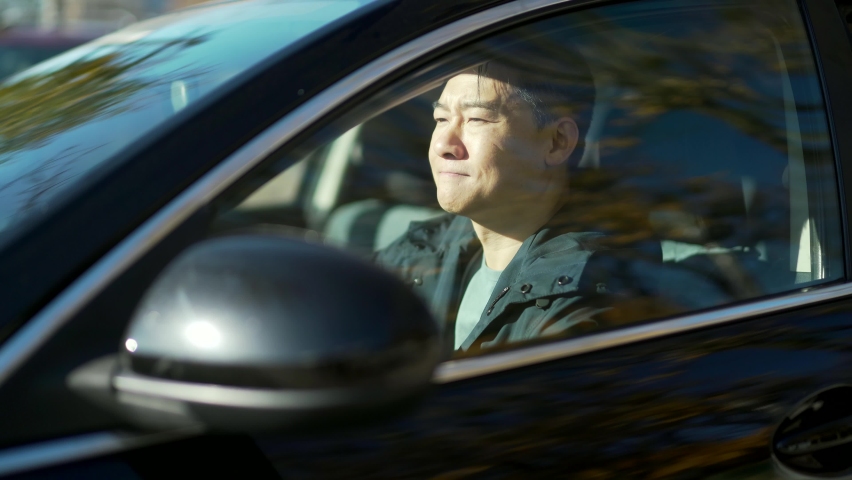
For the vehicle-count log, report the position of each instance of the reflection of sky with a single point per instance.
(233, 37)
(245, 32)
(690, 145)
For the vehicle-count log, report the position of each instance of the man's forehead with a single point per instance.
(470, 90)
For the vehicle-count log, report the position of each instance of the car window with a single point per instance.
(75, 112)
(579, 173)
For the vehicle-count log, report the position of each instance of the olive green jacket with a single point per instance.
(540, 293)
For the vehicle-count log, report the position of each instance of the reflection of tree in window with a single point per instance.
(37, 106)
(706, 110)
(43, 105)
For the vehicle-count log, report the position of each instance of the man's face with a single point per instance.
(487, 153)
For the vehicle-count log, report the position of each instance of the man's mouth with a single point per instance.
(454, 174)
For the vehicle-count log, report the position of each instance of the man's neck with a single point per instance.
(500, 243)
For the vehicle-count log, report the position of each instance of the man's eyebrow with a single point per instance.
(493, 106)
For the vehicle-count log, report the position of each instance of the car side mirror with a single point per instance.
(258, 332)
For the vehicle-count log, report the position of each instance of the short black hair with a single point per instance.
(553, 86)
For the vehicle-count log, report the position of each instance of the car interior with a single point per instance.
(705, 209)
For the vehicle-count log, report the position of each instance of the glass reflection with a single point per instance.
(203, 334)
(701, 172)
(72, 113)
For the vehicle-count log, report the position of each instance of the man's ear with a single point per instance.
(565, 136)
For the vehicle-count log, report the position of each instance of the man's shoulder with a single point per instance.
(552, 246)
(580, 241)
(433, 231)
(589, 263)
(426, 236)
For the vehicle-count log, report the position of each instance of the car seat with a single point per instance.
(388, 183)
(729, 211)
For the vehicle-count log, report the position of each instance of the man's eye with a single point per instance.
(477, 120)
(439, 120)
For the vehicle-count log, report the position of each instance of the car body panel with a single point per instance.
(687, 406)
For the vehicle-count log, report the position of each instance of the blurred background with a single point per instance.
(34, 30)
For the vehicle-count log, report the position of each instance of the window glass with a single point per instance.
(582, 172)
(64, 117)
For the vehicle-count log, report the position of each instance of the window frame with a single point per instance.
(828, 36)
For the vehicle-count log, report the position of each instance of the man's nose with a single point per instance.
(447, 143)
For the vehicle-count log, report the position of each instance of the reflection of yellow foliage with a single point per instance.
(461, 473)
(38, 106)
(696, 71)
(649, 110)
(683, 459)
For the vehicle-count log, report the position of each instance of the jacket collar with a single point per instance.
(549, 262)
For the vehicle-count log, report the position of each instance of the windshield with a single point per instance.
(74, 112)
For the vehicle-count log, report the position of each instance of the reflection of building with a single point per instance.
(98, 14)
(34, 30)
(185, 3)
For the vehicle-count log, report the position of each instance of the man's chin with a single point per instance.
(449, 209)
(452, 205)
(457, 206)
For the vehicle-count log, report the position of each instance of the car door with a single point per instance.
(693, 395)
(691, 390)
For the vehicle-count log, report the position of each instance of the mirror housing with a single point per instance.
(815, 439)
(260, 332)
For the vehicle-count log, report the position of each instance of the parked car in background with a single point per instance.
(190, 208)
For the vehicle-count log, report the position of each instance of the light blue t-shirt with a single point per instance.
(474, 300)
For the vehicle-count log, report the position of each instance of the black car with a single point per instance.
(191, 209)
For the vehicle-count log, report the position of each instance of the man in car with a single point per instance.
(506, 265)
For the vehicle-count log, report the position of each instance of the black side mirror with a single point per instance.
(258, 332)
(815, 439)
